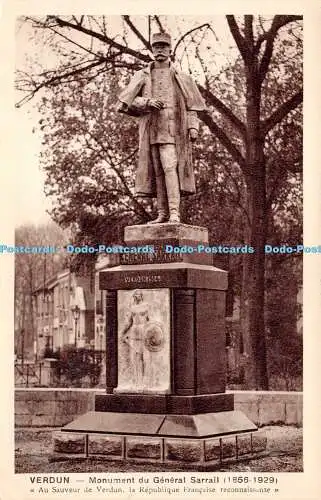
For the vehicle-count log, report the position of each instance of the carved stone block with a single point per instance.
(142, 447)
(104, 445)
(68, 442)
(183, 450)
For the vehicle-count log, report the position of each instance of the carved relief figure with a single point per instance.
(167, 102)
(133, 336)
(143, 338)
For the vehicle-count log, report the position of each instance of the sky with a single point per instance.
(30, 201)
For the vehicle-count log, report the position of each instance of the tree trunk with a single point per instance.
(244, 318)
(256, 374)
(256, 290)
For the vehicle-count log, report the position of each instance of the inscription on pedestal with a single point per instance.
(156, 257)
(174, 275)
(148, 279)
(163, 252)
(144, 341)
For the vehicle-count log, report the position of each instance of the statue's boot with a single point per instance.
(162, 217)
(173, 195)
(162, 203)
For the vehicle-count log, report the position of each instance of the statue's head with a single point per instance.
(138, 296)
(161, 46)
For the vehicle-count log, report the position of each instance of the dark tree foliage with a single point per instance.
(75, 364)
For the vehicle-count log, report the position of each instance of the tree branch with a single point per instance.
(239, 40)
(186, 34)
(51, 28)
(266, 58)
(100, 59)
(224, 139)
(248, 30)
(281, 21)
(222, 108)
(158, 21)
(103, 38)
(137, 33)
(79, 23)
(277, 23)
(282, 111)
(52, 81)
(126, 158)
(115, 167)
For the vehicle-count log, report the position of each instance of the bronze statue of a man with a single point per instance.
(167, 102)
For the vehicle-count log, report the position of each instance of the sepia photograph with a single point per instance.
(158, 254)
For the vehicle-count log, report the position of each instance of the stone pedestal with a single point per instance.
(165, 356)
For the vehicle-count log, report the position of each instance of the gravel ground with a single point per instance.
(33, 455)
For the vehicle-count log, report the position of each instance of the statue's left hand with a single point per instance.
(193, 134)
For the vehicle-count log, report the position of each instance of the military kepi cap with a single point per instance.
(161, 38)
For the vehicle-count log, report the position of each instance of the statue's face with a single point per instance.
(138, 297)
(161, 51)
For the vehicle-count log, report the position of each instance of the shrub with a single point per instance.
(78, 366)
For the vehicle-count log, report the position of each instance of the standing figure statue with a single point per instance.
(132, 334)
(167, 102)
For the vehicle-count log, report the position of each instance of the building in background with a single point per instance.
(64, 312)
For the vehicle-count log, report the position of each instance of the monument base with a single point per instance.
(165, 398)
(198, 442)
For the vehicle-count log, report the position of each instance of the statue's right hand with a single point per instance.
(155, 103)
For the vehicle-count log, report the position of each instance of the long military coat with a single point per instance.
(133, 101)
